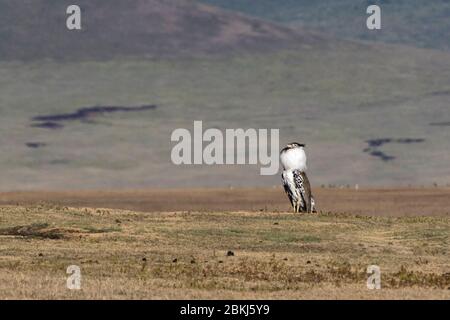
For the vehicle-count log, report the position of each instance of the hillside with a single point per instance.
(100, 114)
(151, 28)
(354, 106)
(416, 23)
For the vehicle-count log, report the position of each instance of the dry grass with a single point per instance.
(189, 255)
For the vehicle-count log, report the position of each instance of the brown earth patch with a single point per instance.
(378, 202)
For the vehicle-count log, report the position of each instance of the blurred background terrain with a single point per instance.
(94, 109)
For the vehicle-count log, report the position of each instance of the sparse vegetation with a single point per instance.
(126, 254)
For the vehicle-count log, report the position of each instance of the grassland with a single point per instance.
(212, 255)
(334, 98)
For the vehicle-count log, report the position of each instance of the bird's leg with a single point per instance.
(313, 206)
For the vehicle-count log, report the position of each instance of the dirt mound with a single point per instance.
(45, 231)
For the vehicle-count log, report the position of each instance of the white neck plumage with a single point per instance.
(293, 159)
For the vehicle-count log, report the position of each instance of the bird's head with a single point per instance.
(293, 156)
(294, 145)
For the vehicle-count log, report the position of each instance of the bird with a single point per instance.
(295, 181)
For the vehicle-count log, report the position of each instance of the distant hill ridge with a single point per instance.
(36, 29)
(417, 23)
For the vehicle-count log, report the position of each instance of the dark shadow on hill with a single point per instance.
(55, 121)
(440, 124)
(375, 144)
(35, 145)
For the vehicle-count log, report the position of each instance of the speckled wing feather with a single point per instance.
(297, 187)
(304, 188)
(289, 189)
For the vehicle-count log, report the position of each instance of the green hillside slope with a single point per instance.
(353, 106)
(413, 22)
